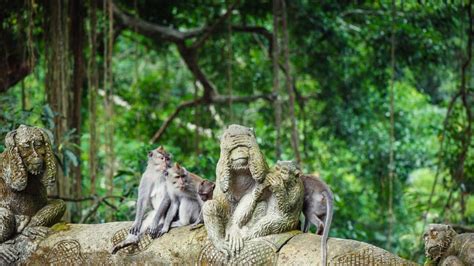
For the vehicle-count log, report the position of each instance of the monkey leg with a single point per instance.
(314, 219)
(49, 214)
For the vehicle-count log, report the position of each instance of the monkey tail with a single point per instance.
(130, 240)
(327, 226)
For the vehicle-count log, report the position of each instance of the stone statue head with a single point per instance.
(438, 238)
(240, 152)
(28, 153)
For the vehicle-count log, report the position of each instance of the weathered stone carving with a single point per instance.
(250, 200)
(27, 168)
(443, 246)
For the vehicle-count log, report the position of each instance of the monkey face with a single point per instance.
(206, 189)
(160, 158)
(178, 177)
(437, 239)
(32, 150)
(239, 158)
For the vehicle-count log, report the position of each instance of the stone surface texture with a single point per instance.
(90, 244)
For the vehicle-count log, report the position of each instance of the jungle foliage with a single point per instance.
(379, 97)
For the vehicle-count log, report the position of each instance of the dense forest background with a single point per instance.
(376, 97)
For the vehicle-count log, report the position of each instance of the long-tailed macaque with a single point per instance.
(186, 203)
(318, 206)
(152, 189)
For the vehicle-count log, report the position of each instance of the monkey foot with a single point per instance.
(157, 231)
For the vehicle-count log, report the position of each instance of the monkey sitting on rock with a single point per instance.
(157, 187)
(152, 190)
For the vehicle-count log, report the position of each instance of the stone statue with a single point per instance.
(250, 200)
(443, 246)
(27, 168)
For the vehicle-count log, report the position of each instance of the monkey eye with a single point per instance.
(150, 154)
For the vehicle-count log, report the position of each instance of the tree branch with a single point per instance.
(210, 29)
(153, 30)
(217, 99)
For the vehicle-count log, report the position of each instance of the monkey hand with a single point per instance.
(235, 242)
(8, 253)
(135, 229)
(34, 232)
(156, 231)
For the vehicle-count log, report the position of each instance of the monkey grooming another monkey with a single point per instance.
(318, 206)
(205, 191)
(186, 203)
(152, 189)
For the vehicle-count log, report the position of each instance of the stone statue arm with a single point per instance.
(215, 214)
(49, 214)
(245, 217)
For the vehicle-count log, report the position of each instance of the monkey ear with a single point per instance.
(13, 169)
(177, 166)
(49, 176)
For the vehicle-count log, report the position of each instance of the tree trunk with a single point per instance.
(77, 14)
(57, 79)
(276, 78)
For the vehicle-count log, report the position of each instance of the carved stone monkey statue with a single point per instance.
(27, 168)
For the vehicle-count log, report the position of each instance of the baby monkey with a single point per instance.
(318, 206)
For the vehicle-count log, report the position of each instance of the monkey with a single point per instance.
(152, 189)
(186, 203)
(205, 191)
(318, 206)
(443, 246)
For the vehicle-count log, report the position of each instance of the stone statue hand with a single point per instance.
(223, 246)
(8, 253)
(34, 232)
(135, 229)
(276, 182)
(235, 242)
